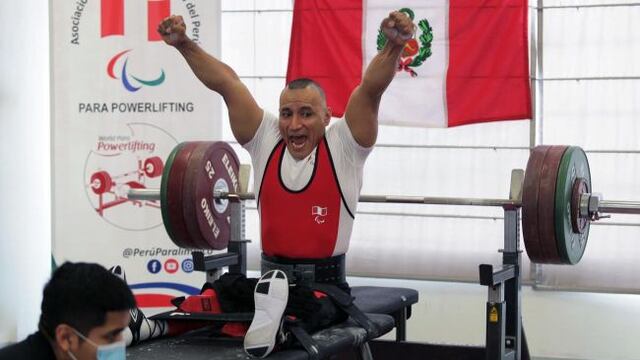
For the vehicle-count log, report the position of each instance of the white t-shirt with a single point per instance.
(348, 159)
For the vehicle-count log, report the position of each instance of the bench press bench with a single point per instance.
(387, 307)
(199, 344)
(395, 302)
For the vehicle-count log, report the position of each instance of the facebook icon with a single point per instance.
(154, 266)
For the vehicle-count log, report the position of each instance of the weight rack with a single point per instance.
(504, 335)
(505, 338)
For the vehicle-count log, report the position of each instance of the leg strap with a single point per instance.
(345, 302)
(304, 339)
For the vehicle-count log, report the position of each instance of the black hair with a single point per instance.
(80, 295)
(303, 83)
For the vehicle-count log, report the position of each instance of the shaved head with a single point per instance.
(303, 83)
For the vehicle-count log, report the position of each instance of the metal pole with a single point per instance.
(537, 95)
(512, 256)
(536, 133)
(605, 206)
(152, 194)
(587, 6)
(495, 323)
(619, 207)
(533, 66)
(401, 199)
(144, 194)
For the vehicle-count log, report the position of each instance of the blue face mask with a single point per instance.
(114, 351)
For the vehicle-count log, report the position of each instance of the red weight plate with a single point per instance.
(153, 166)
(546, 205)
(531, 187)
(101, 182)
(175, 195)
(214, 168)
(190, 201)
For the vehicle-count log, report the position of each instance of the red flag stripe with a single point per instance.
(157, 10)
(111, 17)
(488, 75)
(335, 65)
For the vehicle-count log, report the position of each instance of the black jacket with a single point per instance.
(34, 347)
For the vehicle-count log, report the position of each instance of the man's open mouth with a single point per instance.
(298, 141)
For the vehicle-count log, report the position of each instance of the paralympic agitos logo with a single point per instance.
(126, 78)
(112, 16)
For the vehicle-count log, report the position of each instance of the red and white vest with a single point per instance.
(305, 223)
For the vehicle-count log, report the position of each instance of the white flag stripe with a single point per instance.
(420, 100)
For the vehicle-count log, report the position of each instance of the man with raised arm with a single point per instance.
(308, 177)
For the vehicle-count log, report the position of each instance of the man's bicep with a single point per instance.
(244, 113)
(362, 117)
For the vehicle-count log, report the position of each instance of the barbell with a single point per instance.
(557, 201)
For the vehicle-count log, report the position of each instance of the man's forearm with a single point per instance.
(361, 113)
(362, 110)
(212, 72)
(381, 70)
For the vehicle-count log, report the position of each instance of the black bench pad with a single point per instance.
(199, 345)
(383, 300)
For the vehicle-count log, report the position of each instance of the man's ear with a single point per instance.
(327, 118)
(66, 338)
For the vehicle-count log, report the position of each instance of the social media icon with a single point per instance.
(187, 265)
(171, 266)
(154, 266)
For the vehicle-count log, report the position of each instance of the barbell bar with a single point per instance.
(153, 194)
(603, 206)
(557, 204)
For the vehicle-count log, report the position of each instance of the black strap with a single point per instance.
(202, 316)
(305, 340)
(345, 302)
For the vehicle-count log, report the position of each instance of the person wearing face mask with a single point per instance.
(85, 310)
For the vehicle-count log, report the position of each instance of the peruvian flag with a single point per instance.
(468, 62)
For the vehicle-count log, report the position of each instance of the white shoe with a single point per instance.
(271, 296)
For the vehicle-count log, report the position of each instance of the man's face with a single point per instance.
(303, 118)
(108, 333)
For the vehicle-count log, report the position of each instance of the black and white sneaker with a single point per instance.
(271, 295)
(135, 324)
(140, 328)
(117, 271)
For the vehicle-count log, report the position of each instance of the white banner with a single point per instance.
(122, 99)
